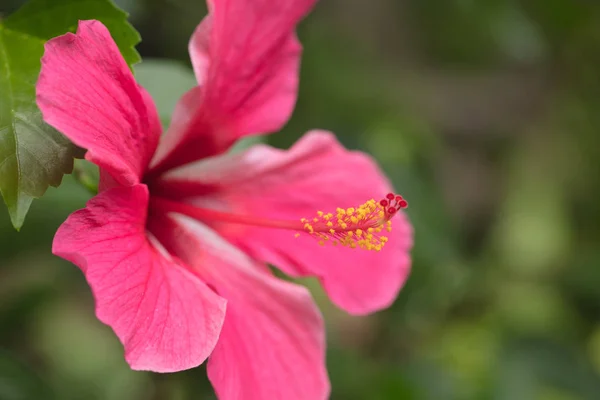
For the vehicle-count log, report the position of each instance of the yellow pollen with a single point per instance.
(353, 227)
(308, 227)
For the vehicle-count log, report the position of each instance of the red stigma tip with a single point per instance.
(392, 203)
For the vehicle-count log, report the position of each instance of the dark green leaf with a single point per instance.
(32, 154)
(46, 19)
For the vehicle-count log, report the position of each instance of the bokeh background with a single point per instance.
(485, 114)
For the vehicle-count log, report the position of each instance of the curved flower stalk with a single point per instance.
(176, 243)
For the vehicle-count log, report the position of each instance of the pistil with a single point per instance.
(359, 227)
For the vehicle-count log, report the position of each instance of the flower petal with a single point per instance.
(315, 174)
(272, 345)
(86, 91)
(165, 316)
(246, 58)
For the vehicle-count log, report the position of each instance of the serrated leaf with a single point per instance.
(46, 19)
(32, 154)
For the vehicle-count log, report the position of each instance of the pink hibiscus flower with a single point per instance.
(176, 243)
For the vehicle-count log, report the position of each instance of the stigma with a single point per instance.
(362, 227)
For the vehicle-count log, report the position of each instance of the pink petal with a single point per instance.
(246, 58)
(165, 316)
(86, 91)
(316, 174)
(272, 345)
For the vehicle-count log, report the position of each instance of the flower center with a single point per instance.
(352, 227)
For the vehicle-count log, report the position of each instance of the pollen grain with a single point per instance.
(356, 227)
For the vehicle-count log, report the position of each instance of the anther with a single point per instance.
(358, 227)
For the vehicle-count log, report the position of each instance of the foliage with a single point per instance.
(32, 154)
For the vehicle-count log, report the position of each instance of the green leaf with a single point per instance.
(46, 19)
(32, 154)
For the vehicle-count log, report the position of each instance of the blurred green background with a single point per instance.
(485, 114)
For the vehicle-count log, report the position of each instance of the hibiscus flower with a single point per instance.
(175, 245)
